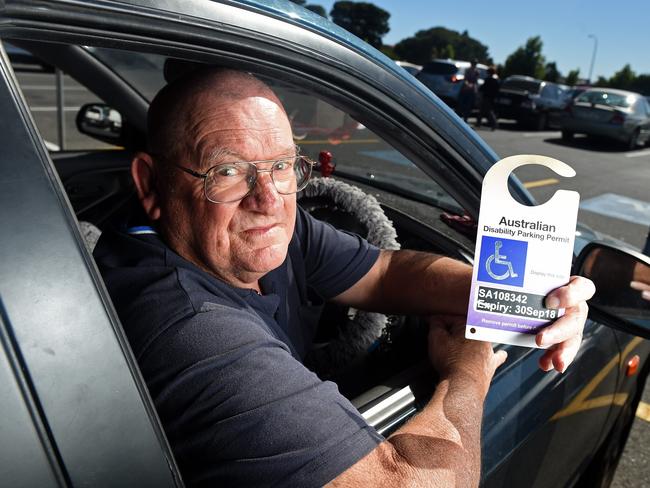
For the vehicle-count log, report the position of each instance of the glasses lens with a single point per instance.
(291, 175)
(229, 182)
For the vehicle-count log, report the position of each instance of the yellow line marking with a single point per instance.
(535, 184)
(580, 403)
(643, 412)
(348, 141)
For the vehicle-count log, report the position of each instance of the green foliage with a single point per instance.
(551, 73)
(641, 84)
(365, 20)
(439, 42)
(526, 60)
(389, 51)
(572, 77)
(626, 79)
(623, 79)
(319, 9)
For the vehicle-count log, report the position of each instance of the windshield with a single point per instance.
(607, 98)
(521, 85)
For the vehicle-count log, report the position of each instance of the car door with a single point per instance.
(72, 395)
(522, 412)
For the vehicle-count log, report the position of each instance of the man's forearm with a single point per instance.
(413, 282)
(439, 447)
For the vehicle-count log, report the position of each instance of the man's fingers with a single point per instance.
(578, 290)
(566, 327)
(500, 358)
(639, 286)
(560, 356)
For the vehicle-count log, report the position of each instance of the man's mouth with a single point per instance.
(260, 229)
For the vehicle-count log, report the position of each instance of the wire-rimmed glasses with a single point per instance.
(230, 182)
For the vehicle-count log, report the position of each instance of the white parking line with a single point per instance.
(637, 154)
(542, 134)
(53, 109)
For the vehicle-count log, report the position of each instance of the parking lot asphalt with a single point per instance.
(613, 182)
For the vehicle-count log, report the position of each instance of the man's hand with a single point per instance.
(565, 335)
(452, 355)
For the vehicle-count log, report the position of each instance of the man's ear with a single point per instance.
(143, 172)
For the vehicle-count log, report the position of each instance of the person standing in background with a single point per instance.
(468, 91)
(489, 90)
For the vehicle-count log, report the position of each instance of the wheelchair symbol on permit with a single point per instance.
(502, 261)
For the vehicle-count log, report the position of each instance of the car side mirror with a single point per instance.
(622, 279)
(101, 122)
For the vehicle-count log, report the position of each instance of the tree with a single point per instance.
(572, 77)
(642, 84)
(551, 73)
(526, 60)
(364, 20)
(623, 79)
(439, 42)
(318, 9)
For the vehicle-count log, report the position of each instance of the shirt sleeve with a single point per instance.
(334, 260)
(239, 410)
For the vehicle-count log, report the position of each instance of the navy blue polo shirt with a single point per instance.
(224, 364)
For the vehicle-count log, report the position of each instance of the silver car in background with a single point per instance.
(445, 77)
(605, 112)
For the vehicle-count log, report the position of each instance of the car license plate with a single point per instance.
(505, 101)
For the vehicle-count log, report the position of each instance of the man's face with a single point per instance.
(241, 241)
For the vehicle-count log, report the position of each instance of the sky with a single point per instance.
(621, 27)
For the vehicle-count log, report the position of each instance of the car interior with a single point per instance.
(377, 193)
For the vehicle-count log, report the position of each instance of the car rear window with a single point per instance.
(440, 69)
(607, 98)
(521, 85)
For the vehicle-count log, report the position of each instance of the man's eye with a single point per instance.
(283, 165)
(227, 171)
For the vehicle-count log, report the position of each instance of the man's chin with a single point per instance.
(268, 258)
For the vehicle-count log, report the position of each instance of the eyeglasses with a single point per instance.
(231, 182)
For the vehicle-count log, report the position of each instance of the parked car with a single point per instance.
(605, 112)
(444, 77)
(414, 69)
(535, 103)
(74, 410)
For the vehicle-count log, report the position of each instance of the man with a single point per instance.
(490, 91)
(468, 91)
(212, 300)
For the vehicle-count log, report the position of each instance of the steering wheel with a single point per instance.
(344, 333)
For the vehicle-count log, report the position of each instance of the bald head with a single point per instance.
(179, 107)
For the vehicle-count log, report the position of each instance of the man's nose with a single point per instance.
(265, 196)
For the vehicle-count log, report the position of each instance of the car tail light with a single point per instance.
(618, 119)
(456, 78)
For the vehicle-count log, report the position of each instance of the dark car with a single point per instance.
(618, 115)
(445, 77)
(531, 102)
(74, 410)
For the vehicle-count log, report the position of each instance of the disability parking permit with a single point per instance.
(522, 253)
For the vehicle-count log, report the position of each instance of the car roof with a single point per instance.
(457, 62)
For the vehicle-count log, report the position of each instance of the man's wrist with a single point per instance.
(474, 383)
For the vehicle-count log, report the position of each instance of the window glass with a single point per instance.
(521, 85)
(38, 82)
(143, 71)
(319, 127)
(606, 98)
